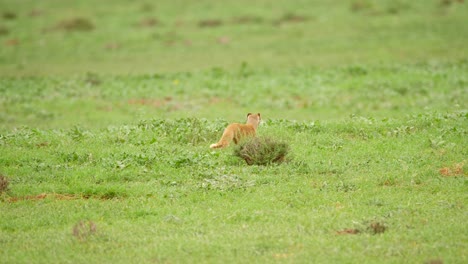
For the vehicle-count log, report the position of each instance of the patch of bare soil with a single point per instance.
(454, 170)
(12, 42)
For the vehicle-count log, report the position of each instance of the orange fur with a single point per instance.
(235, 132)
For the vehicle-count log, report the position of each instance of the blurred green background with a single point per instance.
(134, 37)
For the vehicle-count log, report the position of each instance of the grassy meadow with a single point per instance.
(108, 108)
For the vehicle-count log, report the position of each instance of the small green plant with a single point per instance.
(262, 151)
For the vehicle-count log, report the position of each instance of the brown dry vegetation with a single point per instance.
(454, 170)
(3, 183)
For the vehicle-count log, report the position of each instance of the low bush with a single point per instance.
(262, 151)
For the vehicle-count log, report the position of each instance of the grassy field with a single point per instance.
(108, 108)
(57, 37)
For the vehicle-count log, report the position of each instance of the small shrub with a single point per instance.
(3, 183)
(262, 151)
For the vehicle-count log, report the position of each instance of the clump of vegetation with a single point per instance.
(75, 24)
(9, 15)
(262, 151)
(376, 227)
(83, 230)
(3, 183)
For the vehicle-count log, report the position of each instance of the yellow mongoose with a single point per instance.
(235, 132)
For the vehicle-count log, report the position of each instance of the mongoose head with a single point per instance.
(254, 119)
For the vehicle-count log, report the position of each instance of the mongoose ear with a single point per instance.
(248, 114)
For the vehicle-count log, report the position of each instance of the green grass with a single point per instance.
(154, 196)
(155, 191)
(99, 100)
(107, 111)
